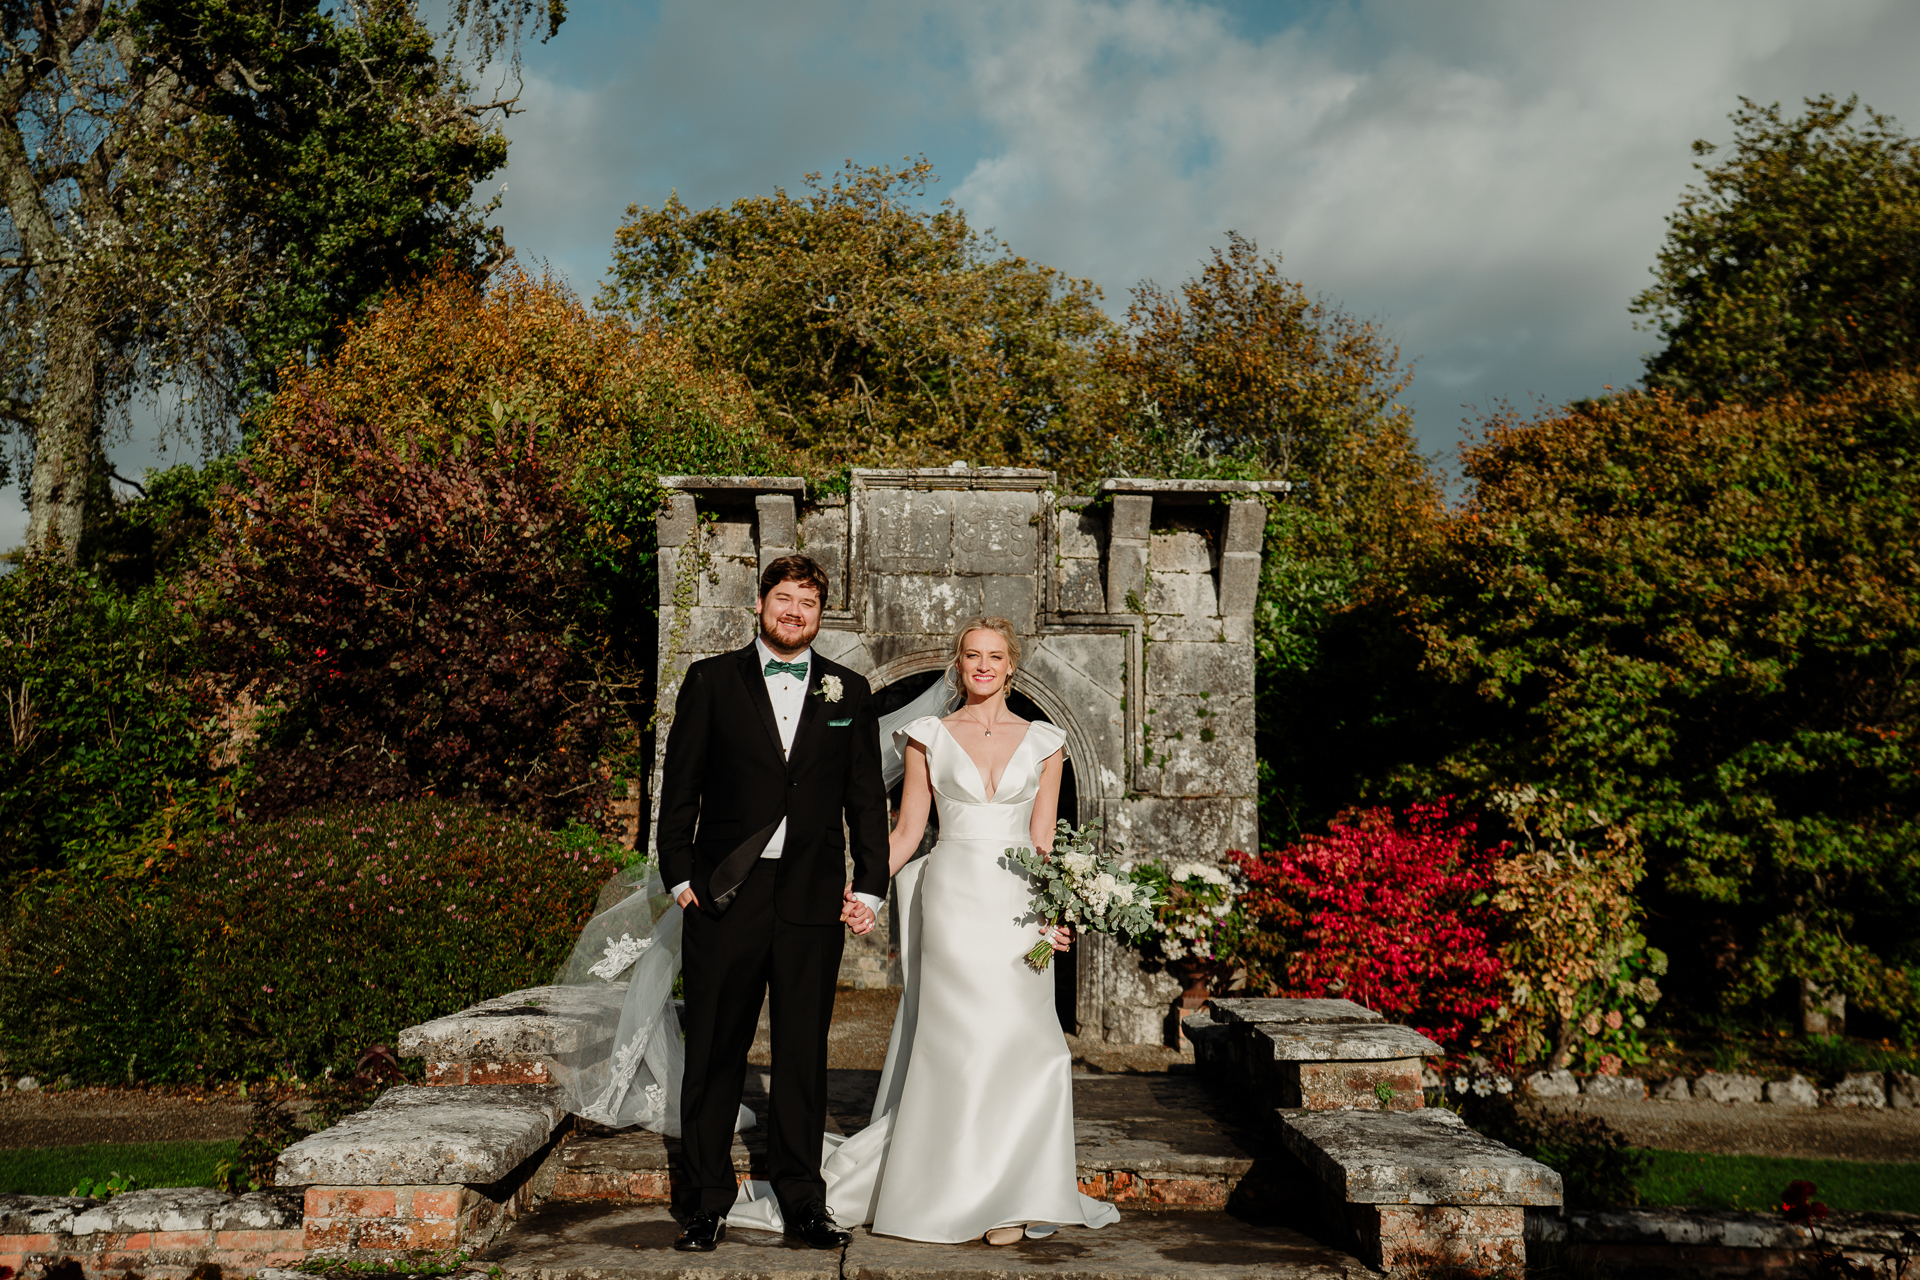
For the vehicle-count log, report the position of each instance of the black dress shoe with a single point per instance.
(703, 1232)
(819, 1230)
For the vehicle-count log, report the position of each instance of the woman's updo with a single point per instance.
(1000, 625)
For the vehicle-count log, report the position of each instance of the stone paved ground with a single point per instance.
(591, 1242)
(1759, 1129)
(1161, 1126)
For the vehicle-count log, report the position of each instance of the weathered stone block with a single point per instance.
(1629, 1088)
(711, 631)
(1080, 587)
(1211, 668)
(994, 532)
(731, 538)
(676, 520)
(1344, 1042)
(844, 647)
(1183, 594)
(1162, 827)
(1796, 1091)
(1861, 1089)
(1285, 1011)
(1715, 1087)
(426, 1136)
(823, 535)
(910, 531)
(1246, 527)
(778, 527)
(1132, 517)
(1080, 535)
(1005, 596)
(537, 1023)
(1553, 1084)
(1127, 577)
(730, 583)
(1335, 1086)
(1414, 1157)
(921, 604)
(1903, 1090)
(1203, 746)
(1239, 588)
(1674, 1089)
(1179, 551)
(1427, 1240)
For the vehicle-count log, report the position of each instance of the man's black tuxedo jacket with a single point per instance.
(725, 781)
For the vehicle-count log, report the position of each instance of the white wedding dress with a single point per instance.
(973, 1124)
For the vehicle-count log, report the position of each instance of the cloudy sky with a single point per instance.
(1488, 179)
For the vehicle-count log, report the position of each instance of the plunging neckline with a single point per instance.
(977, 773)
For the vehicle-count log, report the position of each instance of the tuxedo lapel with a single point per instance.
(811, 714)
(756, 681)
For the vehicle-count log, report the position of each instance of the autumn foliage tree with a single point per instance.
(438, 566)
(1706, 621)
(872, 331)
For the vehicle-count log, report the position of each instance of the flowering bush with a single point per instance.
(1194, 909)
(1392, 914)
(1579, 971)
(287, 947)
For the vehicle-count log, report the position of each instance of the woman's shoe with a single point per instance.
(1040, 1230)
(1006, 1235)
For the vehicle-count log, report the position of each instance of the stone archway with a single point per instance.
(1134, 607)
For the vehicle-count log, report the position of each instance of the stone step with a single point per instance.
(1143, 1140)
(577, 1241)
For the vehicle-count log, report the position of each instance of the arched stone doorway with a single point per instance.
(1134, 606)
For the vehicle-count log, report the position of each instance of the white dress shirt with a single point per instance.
(788, 693)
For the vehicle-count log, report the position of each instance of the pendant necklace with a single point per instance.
(983, 725)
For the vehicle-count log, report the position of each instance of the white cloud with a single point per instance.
(1489, 180)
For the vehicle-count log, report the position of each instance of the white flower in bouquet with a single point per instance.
(1075, 885)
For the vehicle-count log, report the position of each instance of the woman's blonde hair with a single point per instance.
(1000, 625)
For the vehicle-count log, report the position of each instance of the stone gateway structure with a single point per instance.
(1135, 612)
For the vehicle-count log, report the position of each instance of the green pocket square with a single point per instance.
(839, 724)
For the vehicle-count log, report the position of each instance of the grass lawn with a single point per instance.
(53, 1171)
(1755, 1182)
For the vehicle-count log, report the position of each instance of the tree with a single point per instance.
(197, 190)
(1705, 624)
(1251, 368)
(1795, 263)
(873, 332)
(438, 566)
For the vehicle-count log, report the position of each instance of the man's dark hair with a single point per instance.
(801, 569)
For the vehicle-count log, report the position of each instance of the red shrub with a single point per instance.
(1392, 915)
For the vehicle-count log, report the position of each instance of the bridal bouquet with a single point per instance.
(1075, 885)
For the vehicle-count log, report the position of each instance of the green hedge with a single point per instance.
(285, 948)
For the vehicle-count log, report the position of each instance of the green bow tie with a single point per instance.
(776, 667)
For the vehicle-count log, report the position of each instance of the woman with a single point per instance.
(982, 1133)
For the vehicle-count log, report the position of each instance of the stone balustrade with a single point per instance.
(164, 1234)
(516, 1039)
(1410, 1189)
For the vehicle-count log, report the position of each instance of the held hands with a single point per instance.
(855, 914)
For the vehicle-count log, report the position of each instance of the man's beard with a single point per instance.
(774, 641)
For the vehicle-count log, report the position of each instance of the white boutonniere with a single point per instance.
(831, 689)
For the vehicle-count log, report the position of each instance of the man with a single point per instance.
(771, 746)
